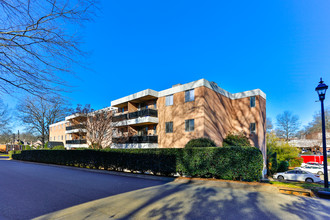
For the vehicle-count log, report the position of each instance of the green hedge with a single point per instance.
(200, 142)
(231, 163)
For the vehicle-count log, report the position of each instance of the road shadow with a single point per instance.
(305, 208)
(38, 189)
(186, 201)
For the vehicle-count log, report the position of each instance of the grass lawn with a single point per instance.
(315, 187)
(300, 185)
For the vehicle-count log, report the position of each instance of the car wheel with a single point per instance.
(309, 180)
(320, 173)
(280, 177)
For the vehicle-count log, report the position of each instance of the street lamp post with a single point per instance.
(321, 89)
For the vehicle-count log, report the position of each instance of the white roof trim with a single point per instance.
(147, 92)
(58, 123)
(187, 86)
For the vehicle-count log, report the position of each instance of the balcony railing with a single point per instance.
(72, 127)
(137, 114)
(76, 141)
(135, 139)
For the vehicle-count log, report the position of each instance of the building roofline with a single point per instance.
(187, 86)
(57, 123)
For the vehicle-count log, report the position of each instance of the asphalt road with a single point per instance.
(29, 190)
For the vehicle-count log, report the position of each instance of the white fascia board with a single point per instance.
(248, 94)
(58, 123)
(181, 88)
(136, 121)
(73, 116)
(214, 87)
(76, 131)
(188, 86)
(147, 92)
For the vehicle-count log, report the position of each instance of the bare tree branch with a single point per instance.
(35, 45)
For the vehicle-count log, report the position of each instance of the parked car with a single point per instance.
(297, 175)
(312, 169)
(313, 164)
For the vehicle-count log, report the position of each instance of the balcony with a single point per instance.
(78, 128)
(146, 116)
(83, 141)
(143, 113)
(136, 139)
(73, 127)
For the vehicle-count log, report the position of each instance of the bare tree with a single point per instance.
(96, 125)
(6, 136)
(269, 125)
(36, 43)
(37, 114)
(287, 125)
(4, 117)
(316, 124)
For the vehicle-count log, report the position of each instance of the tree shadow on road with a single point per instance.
(305, 208)
(202, 203)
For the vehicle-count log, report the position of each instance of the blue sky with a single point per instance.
(281, 47)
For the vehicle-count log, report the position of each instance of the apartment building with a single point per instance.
(172, 117)
(72, 132)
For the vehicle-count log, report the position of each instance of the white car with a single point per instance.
(312, 169)
(297, 175)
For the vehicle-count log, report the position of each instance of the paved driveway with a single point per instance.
(29, 190)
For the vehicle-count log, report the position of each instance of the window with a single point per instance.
(122, 109)
(155, 105)
(189, 95)
(169, 100)
(252, 101)
(155, 129)
(169, 127)
(291, 171)
(253, 127)
(190, 125)
(62, 137)
(58, 137)
(54, 138)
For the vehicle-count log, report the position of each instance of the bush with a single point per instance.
(200, 142)
(296, 162)
(271, 162)
(236, 140)
(27, 147)
(13, 152)
(231, 163)
(283, 166)
(58, 148)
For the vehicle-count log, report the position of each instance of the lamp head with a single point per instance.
(321, 89)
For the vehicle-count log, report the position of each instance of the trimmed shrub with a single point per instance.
(200, 142)
(231, 163)
(236, 140)
(58, 148)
